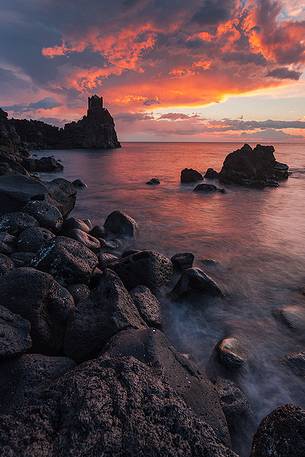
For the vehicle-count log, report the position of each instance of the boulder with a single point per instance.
(17, 191)
(296, 363)
(98, 232)
(106, 259)
(14, 335)
(148, 306)
(42, 165)
(145, 268)
(85, 238)
(7, 243)
(22, 259)
(67, 260)
(194, 281)
(79, 184)
(62, 194)
(153, 182)
(120, 224)
(79, 292)
(108, 310)
(211, 174)
(151, 347)
(37, 297)
(24, 378)
(46, 214)
(183, 261)
(189, 175)
(15, 223)
(293, 316)
(72, 223)
(232, 353)
(208, 188)
(113, 407)
(281, 433)
(6, 264)
(34, 238)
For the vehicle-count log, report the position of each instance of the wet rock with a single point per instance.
(79, 292)
(62, 194)
(145, 268)
(47, 215)
(153, 182)
(231, 353)
(22, 259)
(183, 261)
(42, 165)
(113, 407)
(189, 175)
(24, 378)
(193, 282)
(120, 224)
(85, 238)
(34, 238)
(151, 347)
(6, 264)
(79, 184)
(238, 413)
(15, 223)
(281, 434)
(110, 245)
(67, 260)
(17, 191)
(148, 306)
(37, 297)
(98, 232)
(129, 252)
(106, 259)
(108, 310)
(293, 316)
(208, 188)
(14, 335)
(211, 174)
(7, 243)
(296, 363)
(72, 223)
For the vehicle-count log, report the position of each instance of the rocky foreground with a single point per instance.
(86, 369)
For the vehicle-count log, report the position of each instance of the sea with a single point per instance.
(252, 242)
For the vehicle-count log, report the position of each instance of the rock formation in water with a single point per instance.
(96, 130)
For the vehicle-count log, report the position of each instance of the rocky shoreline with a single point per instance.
(86, 367)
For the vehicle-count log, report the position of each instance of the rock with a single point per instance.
(231, 353)
(85, 238)
(47, 215)
(6, 264)
(153, 182)
(42, 301)
(293, 316)
(7, 243)
(211, 174)
(62, 194)
(151, 347)
(22, 259)
(79, 292)
(106, 259)
(120, 224)
(281, 433)
(79, 184)
(67, 260)
(189, 175)
(296, 362)
(131, 252)
(17, 191)
(238, 413)
(193, 282)
(208, 188)
(24, 378)
(145, 268)
(113, 407)
(148, 306)
(15, 223)
(253, 167)
(34, 238)
(183, 261)
(14, 335)
(72, 223)
(98, 232)
(108, 310)
(42, 165)
(110, 245)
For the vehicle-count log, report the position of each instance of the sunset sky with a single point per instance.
(169, 70)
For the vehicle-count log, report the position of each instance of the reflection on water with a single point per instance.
(256, 237)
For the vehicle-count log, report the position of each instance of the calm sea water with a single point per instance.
(257, 238)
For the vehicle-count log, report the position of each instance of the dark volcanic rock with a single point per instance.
(17, 191)
(98, 232)
(189, 175)
(14, 335)
(193, 282)
(208, 188)
(7, 243)
(183, 261)
(253, 167)
(296, 362)
(148, 306)
(211, 174)
(6, 264)
(47, 215)
(106, 259)
(231, 353)
(43, 165)
(85, 238)
(153, 182)
(62, 194)
(145, 268)
(23, 378)
(34, 238)
(293, 316)
(79, 184)
(67, 260)
(151, 347)
(79, 292)
(120, 224)
(72, 223)
(37, 297)
(15, 223)
(111, 407)
(22, 259)
(281, 434)
(108, 310)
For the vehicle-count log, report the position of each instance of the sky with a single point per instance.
(169, 70)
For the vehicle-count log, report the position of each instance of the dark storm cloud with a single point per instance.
(45, 103)
(285, 73)
(245, 58)
(212, 12)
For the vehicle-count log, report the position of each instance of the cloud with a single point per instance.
(212, 12)
(45, 103)
(178, 116)
(285, 73)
